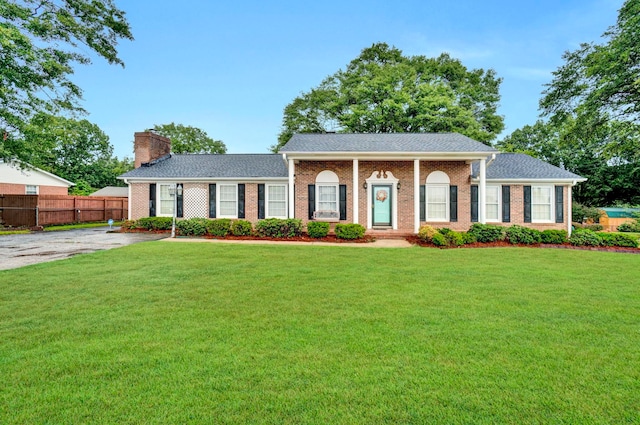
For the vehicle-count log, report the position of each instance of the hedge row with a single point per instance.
(271, 227)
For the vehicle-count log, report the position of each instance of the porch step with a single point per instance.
(388, 233)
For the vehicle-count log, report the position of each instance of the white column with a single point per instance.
(569, 208)
(416, 195)
(482, 190)
(292, 169)
(355, 191)
(129, 203)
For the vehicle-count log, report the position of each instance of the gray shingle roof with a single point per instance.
(384, 142)
(521, 166)
(214, 166)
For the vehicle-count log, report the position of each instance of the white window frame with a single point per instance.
(159, 199)
(551, 204)
(267, 201)
(438, 180)
(498, 189)
(328, 178)
(218, 200)
(34, 192)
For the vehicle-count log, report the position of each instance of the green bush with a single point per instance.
(317, 229)
(630, 226)
(128, 224)
(487, 232)
(349, 231)
(220, 227)
(617, 239)
(524, 235)
(553, 236)
(439, 240)
(279, 228)
(241, 228)
(426, 232)
(593, 227)
(585, 237)
(155, 223)
(452, 238)
(468, 238)
(192, 227)
(581, 212)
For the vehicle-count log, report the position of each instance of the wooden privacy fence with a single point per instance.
(43, 210)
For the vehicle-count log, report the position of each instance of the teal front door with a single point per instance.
(381, 205)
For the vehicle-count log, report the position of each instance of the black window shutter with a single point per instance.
(179, 201)
(241, 200)
(152, 200)
(527, 204)
(474, 203)
(559, 205)
(423, 203)
(453, 203)
(261, 199)
(343, 202)
(212, 200)
(506, 204)
(312, 200)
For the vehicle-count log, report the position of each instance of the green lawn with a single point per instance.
(214, 333)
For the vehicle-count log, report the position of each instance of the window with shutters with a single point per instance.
(542, 204)
(493, 203)
(327, 184)
(166, 201)
(227, 200)
(437, 196)
(276, 201)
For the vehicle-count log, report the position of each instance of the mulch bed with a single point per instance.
(504, 244)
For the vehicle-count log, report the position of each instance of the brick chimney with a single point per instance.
(149, 146)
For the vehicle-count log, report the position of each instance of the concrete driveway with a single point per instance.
(39, 247)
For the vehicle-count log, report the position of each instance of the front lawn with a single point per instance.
(197, 333)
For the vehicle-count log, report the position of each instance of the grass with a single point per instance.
(58, 227)
(204, 333)
(13, 232)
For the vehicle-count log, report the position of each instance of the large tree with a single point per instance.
(187, 139)
(600, 84)
(41, 41)
(384, 91)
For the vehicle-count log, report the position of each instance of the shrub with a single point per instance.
(593, 227)
(581, 212)
(524, 235)
(629, 226)
(452, 238)
(155, 223)
(553, 236)
(241, 228)
(317, 229)
(279, 228)
(192, 227)
(468, 238)
(487, 232)
(426, 232)
(219, 227)
(617, 239)
(585, 237)
(439, 240)
(128, 224)
(349, 231)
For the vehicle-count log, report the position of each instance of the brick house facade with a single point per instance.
(28, 180)
(382, 181)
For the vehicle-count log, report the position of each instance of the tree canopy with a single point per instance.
(384, 91)
(41, 41)
(187, 139)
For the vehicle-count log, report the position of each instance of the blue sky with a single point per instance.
(231, 67)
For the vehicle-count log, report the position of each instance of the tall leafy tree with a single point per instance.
(384, 91)
(187, 139)
(40, 43)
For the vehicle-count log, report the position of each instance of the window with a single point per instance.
(276, 201)
(437, 196)
(327, 191)
(228, 200)
(166, 200)
(541, 203)
(31, 189)
(493, 203)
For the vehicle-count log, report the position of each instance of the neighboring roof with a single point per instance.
(14, 172)
(620, 212)
(113, 191)
(383, 142)
(213, 166)
(519, 166)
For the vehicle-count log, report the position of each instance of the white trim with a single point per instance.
(416, 195)
(447, 200)
(383, 177)
(569, 209)
(159, 199)
(482, 200)
(499, 202)
(291, 192)
(552, 202)
(389, 156)
(129, 203)
(526, 182)
(218, 196)
(207, 180)
(26, 190)
(355, 192)
(267, 213)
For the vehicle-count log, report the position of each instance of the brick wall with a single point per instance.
(139, 202)
(148, 146)
(20, 189)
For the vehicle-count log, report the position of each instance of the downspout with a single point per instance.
(129, 204)
(570, 207)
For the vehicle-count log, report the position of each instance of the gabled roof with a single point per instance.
(383, 143)
(203, 166)
(112, 191)
(519, 166)
(24, 173)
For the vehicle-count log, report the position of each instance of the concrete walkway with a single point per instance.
(380, 243)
